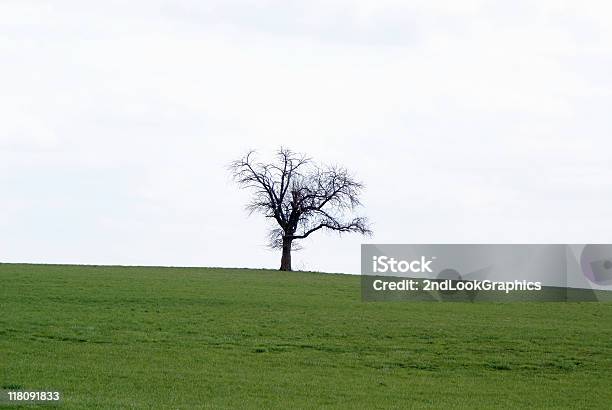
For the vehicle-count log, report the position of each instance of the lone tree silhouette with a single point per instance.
(301, 196)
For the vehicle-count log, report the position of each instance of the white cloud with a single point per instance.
(469, 121)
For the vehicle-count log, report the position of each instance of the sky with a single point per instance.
(468, 122)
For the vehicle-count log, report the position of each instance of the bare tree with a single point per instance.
(301, 196)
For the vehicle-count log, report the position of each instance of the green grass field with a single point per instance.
(122, 337)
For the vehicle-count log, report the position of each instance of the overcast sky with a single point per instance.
(468, 121)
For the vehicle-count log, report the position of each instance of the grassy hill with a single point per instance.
(117, 337)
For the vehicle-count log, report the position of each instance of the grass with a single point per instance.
(133, 337)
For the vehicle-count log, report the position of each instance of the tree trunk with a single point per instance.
(286, 258)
